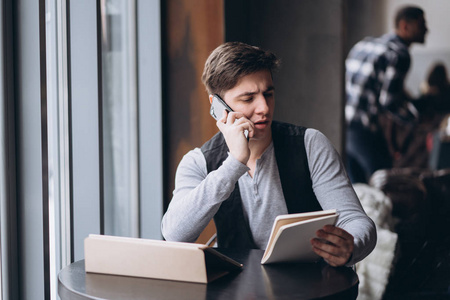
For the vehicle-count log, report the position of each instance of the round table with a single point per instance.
(254, 281)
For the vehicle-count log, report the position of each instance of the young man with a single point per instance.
(375, 73)
(245, 183)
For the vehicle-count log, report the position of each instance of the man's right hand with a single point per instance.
(232, 125)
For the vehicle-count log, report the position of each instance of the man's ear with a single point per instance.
(210, 98)
(403, 28)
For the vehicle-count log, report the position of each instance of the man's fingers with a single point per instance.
(331, 248)
(334, 244)
(334, 239)
(232, 116)
(332, 260)
(336, 236)
(237, 120)
(337, 231)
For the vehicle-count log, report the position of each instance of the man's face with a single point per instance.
(417, 30)
(253, 96)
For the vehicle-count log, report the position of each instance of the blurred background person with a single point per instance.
(375, 73)
(435, 93)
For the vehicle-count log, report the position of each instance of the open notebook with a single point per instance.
(290, 238)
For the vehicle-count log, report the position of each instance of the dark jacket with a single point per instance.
(233, 230)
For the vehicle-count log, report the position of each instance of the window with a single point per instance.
(59, 224)
(81, 127)
(120, 122)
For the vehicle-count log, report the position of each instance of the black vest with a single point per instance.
(233, 230)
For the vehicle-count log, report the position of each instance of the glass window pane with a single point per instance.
(58, 144)
(2, 159)
(120, 142)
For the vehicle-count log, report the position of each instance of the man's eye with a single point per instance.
(267, 95)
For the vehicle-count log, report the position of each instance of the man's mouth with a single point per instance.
(261, 124)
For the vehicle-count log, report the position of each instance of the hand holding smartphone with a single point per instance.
(217, 108)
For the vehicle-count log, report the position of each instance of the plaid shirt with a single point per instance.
(375, 73)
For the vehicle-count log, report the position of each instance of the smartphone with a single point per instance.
(217, 108)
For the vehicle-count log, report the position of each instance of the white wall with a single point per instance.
(308, 36)
(437, 44)
(436, 14)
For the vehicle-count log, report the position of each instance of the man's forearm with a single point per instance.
(197, 197)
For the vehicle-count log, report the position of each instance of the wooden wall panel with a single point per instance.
(193, 28)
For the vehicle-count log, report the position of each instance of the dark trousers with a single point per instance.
(366, 152)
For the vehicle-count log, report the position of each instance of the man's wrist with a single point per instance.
(234, 166)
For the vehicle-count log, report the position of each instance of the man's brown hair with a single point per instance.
(233, 60)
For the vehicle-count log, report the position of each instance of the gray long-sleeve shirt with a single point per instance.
(198, 195)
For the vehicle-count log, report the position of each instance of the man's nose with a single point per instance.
(261, 104)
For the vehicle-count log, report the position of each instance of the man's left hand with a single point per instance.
(334, 244)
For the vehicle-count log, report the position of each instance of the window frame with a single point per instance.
(24, 208)
(8, 208)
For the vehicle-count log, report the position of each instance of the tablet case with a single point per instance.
(155, 259)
